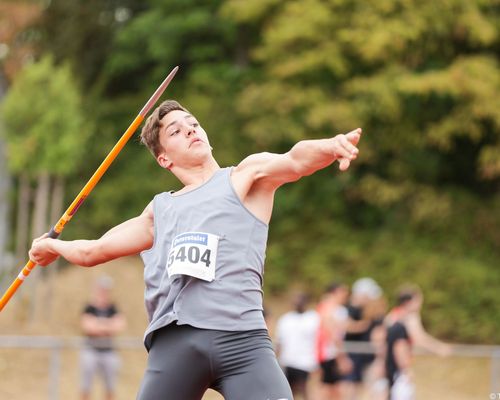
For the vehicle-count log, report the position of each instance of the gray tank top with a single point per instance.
(232, 301)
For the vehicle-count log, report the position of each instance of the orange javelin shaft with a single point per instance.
(89, 186)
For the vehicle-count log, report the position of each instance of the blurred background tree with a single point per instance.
(422, 202)
(15, 49)
(41, 113)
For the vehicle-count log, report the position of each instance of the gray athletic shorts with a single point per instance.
(104, 363)
(184, 362)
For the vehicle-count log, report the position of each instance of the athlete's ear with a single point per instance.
(164, 161)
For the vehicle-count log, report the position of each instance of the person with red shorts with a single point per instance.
(334, 362)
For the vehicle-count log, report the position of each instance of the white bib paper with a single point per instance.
(193, 254)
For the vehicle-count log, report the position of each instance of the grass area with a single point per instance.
(25, 373)
(25, 376)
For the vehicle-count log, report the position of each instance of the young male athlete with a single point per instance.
(203, 249)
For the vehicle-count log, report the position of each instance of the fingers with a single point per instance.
(346, 149)
(44, 236)
(34, 252)
(354, 135)
(344, 163)
(40, 253)
(33, 256)
(343, 148)
(348, 146)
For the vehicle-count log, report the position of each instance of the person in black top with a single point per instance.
(100, 321)
(405, 330)
(398, 345)
(366, 310)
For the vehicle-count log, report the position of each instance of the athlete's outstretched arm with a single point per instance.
(130, 237)
(257, 177)
(304, 158)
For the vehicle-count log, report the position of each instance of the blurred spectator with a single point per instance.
(100, 321)
(366, 313)
(270, 320)
(334, 362)
(405, 330)
(296, 338)
(375, 380)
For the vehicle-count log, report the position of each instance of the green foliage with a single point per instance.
(81, 32)
(423, 81)
(172, 32)
(422, 78)
(44, 124)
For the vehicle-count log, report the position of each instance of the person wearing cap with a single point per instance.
(100, 321)
(366, 310)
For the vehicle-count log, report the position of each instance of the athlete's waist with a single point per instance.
(254, 325)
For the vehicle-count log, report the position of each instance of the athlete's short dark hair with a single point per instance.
(150, 134)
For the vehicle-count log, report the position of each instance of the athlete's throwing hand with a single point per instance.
(41, 253)
(344, 148)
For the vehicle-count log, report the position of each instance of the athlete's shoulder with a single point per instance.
(148, 211)
(254, 161)
(159, 197)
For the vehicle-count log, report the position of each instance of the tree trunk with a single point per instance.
(5, 222)
(22, 231)
(242, 55)
(39, 226)
(6, 264)
(56, 210)
(22, 221)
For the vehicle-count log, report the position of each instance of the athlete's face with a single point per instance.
(182, 139)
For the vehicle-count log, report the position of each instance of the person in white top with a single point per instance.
(296, 339)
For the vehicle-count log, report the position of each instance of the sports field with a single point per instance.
(25, 372)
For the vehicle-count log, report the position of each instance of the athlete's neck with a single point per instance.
(196, 175)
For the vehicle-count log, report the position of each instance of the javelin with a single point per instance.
(89, 186)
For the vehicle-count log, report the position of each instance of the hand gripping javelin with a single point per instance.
(89, 186)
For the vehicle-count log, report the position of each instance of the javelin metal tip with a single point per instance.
(157, 94)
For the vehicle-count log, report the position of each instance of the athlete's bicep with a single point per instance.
(271, 168)
(148, 212)
(131, 237)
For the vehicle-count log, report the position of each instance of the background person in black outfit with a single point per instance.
(404, 331)
(366, 310)
(100, 321)
(398, 361)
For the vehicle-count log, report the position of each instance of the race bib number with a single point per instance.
(193, 254)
